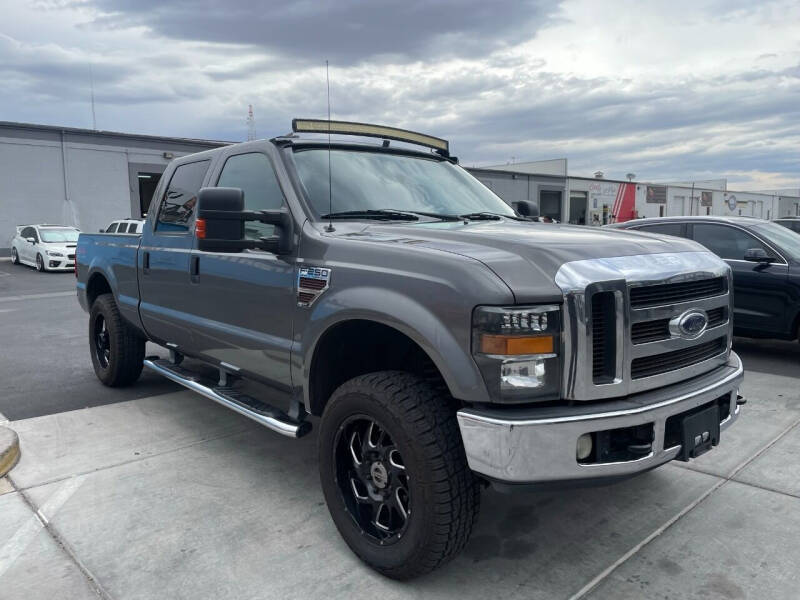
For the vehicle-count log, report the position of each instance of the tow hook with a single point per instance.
(640, 449)
(740, 400)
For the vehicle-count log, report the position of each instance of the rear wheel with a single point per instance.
(14, 256)
(394, 473)
(116, 348)
(40, 263)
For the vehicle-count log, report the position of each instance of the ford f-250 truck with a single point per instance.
(442, 340)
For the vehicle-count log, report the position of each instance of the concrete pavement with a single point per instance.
(173, 496)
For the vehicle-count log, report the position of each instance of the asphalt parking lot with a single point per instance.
(153, 492)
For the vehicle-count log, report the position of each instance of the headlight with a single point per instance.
(517, 349)
(51, 253)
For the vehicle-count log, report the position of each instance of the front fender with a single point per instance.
(447, 346)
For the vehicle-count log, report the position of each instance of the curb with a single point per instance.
(9, 450)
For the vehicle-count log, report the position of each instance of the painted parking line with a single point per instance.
(15, 546)
(598, 579)
(36, 296)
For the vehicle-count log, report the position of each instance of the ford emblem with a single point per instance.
(689, 325)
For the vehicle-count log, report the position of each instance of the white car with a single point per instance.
(124, 226)
(46, 247)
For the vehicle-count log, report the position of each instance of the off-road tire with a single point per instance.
(14, 256)
(444, 493)
(126, 346)
(40, 264)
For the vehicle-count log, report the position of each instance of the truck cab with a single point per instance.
(438, 339)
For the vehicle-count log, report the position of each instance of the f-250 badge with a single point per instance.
(311, 283)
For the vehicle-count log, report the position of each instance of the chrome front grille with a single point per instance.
(621, 332)
(603, 337)
(655, 364)
(653, 331)
(666, 293)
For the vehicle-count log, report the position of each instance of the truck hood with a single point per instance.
(525, 255)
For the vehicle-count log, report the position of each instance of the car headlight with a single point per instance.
(518, 351)
(52, 253)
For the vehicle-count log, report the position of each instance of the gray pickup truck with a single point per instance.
(442, 340)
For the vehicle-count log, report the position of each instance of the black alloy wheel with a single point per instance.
(102, 342)
(394, 472)
(116, 348)
(39, 263)
(372, 479)
(14, 256)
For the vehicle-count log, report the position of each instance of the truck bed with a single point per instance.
(109, 260)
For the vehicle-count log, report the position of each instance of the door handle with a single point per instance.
(194, 269)
(146, 262)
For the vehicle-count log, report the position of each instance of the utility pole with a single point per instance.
(91, 84)
(251, 124)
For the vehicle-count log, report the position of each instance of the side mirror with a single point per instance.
(757, 255)
(101, 231)
(30, 240)
(219, 226)
(527, 208)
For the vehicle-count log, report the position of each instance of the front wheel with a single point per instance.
(14, 256)
(40, 263)
(394, 473)
(117, 349)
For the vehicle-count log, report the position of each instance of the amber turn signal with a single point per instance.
(200, 228)
(515, 345)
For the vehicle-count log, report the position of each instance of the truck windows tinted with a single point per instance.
(253, 174)
(177, 207)
(112, 228)
(675, 229)
(726, 242)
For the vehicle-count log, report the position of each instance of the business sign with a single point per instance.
(602, 192)
(656, 194)
(731, 202)
(706, 199)
(611, 202)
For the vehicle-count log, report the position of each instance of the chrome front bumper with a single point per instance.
(538, 445)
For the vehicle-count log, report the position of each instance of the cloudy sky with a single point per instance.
(668, 90)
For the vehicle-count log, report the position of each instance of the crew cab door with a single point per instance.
(759, 290)
(245, 302)
(164, 258)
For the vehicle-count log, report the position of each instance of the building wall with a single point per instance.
(682, 201)
(99, 184)
(600, 201)
(512, 187)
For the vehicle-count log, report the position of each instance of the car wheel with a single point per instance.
(14, 256)
(394, 473)
(40, 263)
(116, 348)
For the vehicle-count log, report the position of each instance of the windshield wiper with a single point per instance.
(433, 215)
(384, 215)
(490, 216)
(482, 216)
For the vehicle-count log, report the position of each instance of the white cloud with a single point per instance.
(669, 90)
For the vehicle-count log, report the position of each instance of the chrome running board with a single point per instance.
(265, 414)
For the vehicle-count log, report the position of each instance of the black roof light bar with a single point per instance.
(365, 129)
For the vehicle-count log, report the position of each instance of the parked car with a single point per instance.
(46, 247)
(441, 339)
(765, 259)
(792, 223)
(124, 226)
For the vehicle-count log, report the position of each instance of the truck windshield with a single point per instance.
(365, 181)
(50, 236)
